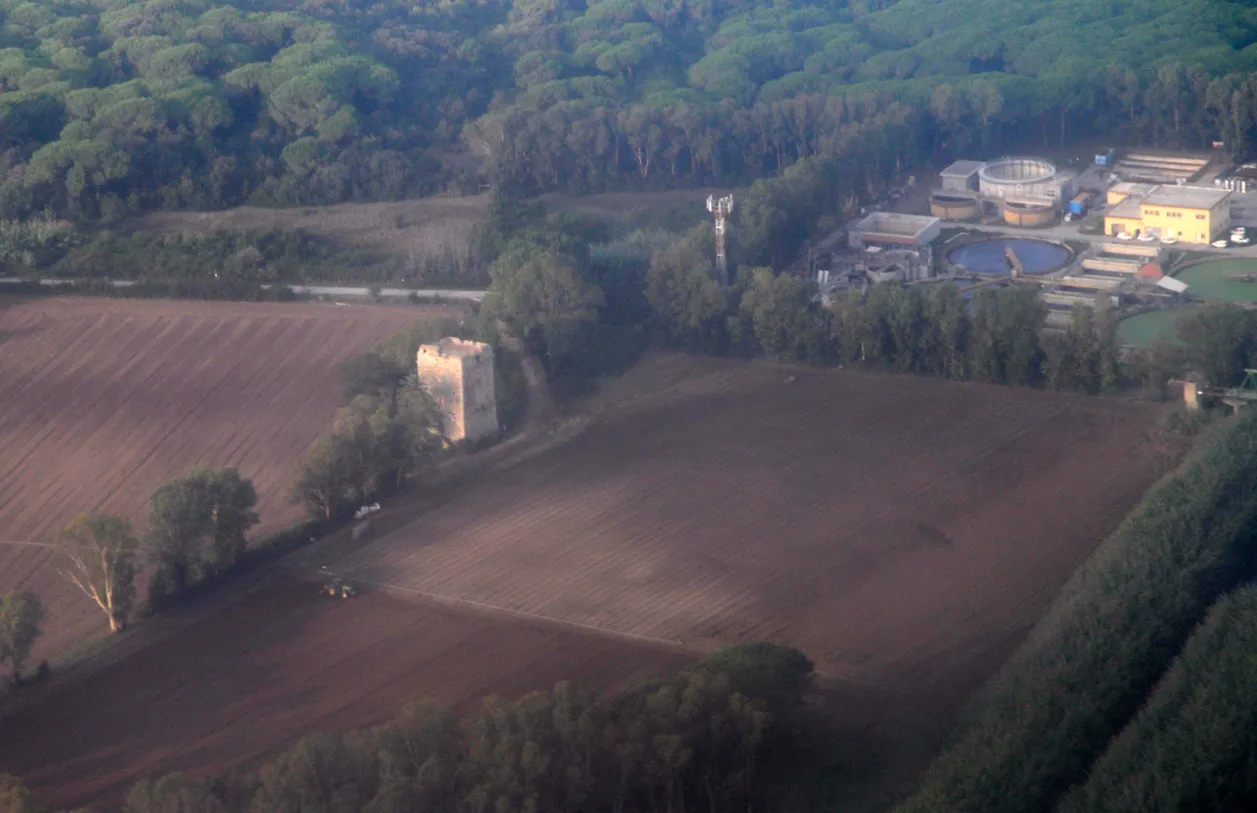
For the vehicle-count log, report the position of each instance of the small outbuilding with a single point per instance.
(894, 230)
(960, 176)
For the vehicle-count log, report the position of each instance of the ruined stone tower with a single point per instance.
(459, 376)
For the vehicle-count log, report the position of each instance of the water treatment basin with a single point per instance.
(1232, 280)
(989, 257)
(1142, 329)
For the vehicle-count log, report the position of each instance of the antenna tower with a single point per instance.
(720, 207)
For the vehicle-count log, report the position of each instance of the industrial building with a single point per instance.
(1189, 214)
(961, 176)
(1027, 191)
(1157, 168)
(890, 230)
(1119, 192)
(458, 374)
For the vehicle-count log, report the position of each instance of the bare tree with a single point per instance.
(100, 557)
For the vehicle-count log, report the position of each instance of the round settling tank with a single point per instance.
(1142, 329)
(1021, 213)
(990, 257)
(950, 207)
(1007, 176)
(1222, 280)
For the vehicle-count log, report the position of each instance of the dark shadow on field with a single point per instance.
(182, 702)
(242, 681)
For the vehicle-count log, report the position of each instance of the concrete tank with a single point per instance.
(1026, 214)
(949, 207)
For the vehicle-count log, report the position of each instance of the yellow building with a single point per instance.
(1189, 214)
(1119, 192)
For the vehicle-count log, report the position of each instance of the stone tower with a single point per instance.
(459, 376)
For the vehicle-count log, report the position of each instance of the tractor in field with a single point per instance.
(339, 587)
(336, 585)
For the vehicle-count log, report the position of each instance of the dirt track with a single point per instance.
(244, 683)
(101, 401)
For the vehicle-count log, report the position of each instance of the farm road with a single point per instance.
(310, 290)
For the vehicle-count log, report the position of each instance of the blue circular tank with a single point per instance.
(988, 257)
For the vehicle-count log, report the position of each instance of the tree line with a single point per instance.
(196, 532)
(587, 300)
(118, 106)
(1082, 676)
(714, 737)
(564, 300)
(1193, 746)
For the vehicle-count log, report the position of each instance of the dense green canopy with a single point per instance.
(110, 106)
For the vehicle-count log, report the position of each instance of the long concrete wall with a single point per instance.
(1098, 283)
(1120, 266)
(1126, 250)
(1061, 298)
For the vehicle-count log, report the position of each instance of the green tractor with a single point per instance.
(336, 586)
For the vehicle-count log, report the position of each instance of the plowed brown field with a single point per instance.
(899, 530)
(243, 683)
(101, 401)
(904, 532)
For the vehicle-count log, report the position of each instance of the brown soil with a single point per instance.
(901, 531)
(904, 532)
(101, 401)
(242, 684)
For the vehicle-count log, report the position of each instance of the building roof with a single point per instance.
(962, 169)
(893, 225)
(1132, 188)
(1186, 197)
(1127, 209)
(1150, 271)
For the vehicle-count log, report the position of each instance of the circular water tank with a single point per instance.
(1020, 213)
(954, 208)
(1013, 171)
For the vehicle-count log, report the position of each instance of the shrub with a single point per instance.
(1179, 420)
(778, 675)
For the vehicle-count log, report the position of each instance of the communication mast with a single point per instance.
(720, 207)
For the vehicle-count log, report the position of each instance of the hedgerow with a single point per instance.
(1034, 730)
(1194, 746)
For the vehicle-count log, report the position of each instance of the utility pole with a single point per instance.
(721, 207)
